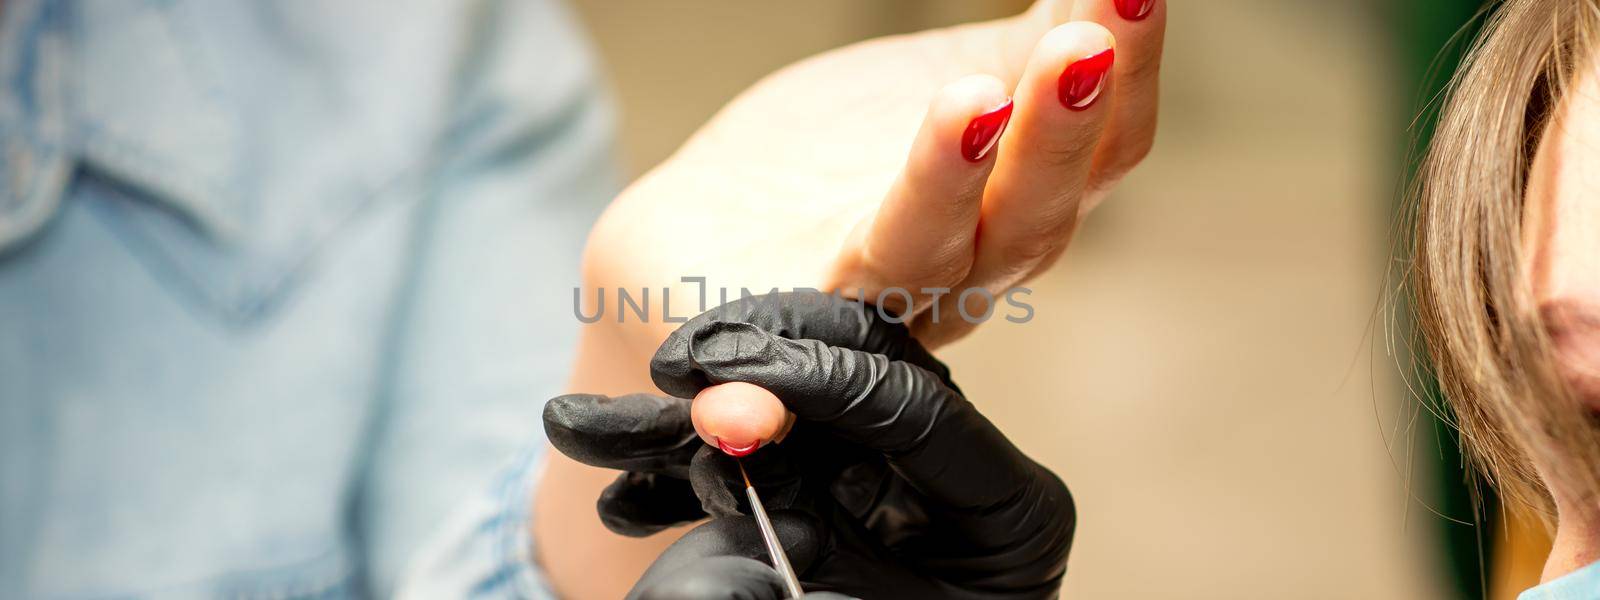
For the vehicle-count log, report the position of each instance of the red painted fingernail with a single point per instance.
(737, 451)
(984, 131)
(1081, 83)
(1134, 10)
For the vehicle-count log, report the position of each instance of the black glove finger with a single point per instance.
(637, 432)
(794, 315)
(718, 483)
(933, 436)
(730, 577)
(641, 504)
(715, 578)
(736, 537)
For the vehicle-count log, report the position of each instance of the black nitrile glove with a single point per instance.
(720, 560)
(904, 488)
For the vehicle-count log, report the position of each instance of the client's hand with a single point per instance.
(956, 158)
(892, 163)
(889, 484)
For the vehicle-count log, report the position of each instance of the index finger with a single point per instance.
(797, 315)
(637, 432)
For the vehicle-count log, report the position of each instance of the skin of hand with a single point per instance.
(738, 418)
(851, 171)
(892, 483)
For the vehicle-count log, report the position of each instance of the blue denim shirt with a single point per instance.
(1582, 584)
(283, 286)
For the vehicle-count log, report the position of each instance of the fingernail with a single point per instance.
(1081, 83)
(737, 451)
(984, 132)
(1134, 10)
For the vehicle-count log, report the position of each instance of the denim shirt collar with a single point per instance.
(67, 103)
(237, 122)
(1582, 584)
(33, 153)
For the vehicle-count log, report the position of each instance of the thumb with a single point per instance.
(724, 559)
(715, 578)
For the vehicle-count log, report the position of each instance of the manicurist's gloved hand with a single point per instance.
(889, 484)
(724, 558)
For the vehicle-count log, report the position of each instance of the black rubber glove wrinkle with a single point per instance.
(798, 315)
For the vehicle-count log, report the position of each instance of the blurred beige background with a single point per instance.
(1198, 369)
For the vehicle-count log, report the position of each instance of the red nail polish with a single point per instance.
(737, 451)
(1081, 83)
(1134, 10)
(984, 132)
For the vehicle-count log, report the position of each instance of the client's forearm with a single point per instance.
(582, 557)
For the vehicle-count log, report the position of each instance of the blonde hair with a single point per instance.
(1473, 303)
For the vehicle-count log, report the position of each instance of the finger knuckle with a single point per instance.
(947, 272)
(1025, 253)
(1144, 68)
(1040, 239)
(1069, 150)
(1138, 148)
(940, 268)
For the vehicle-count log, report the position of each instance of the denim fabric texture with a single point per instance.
(1582, 584)
(283, 287)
